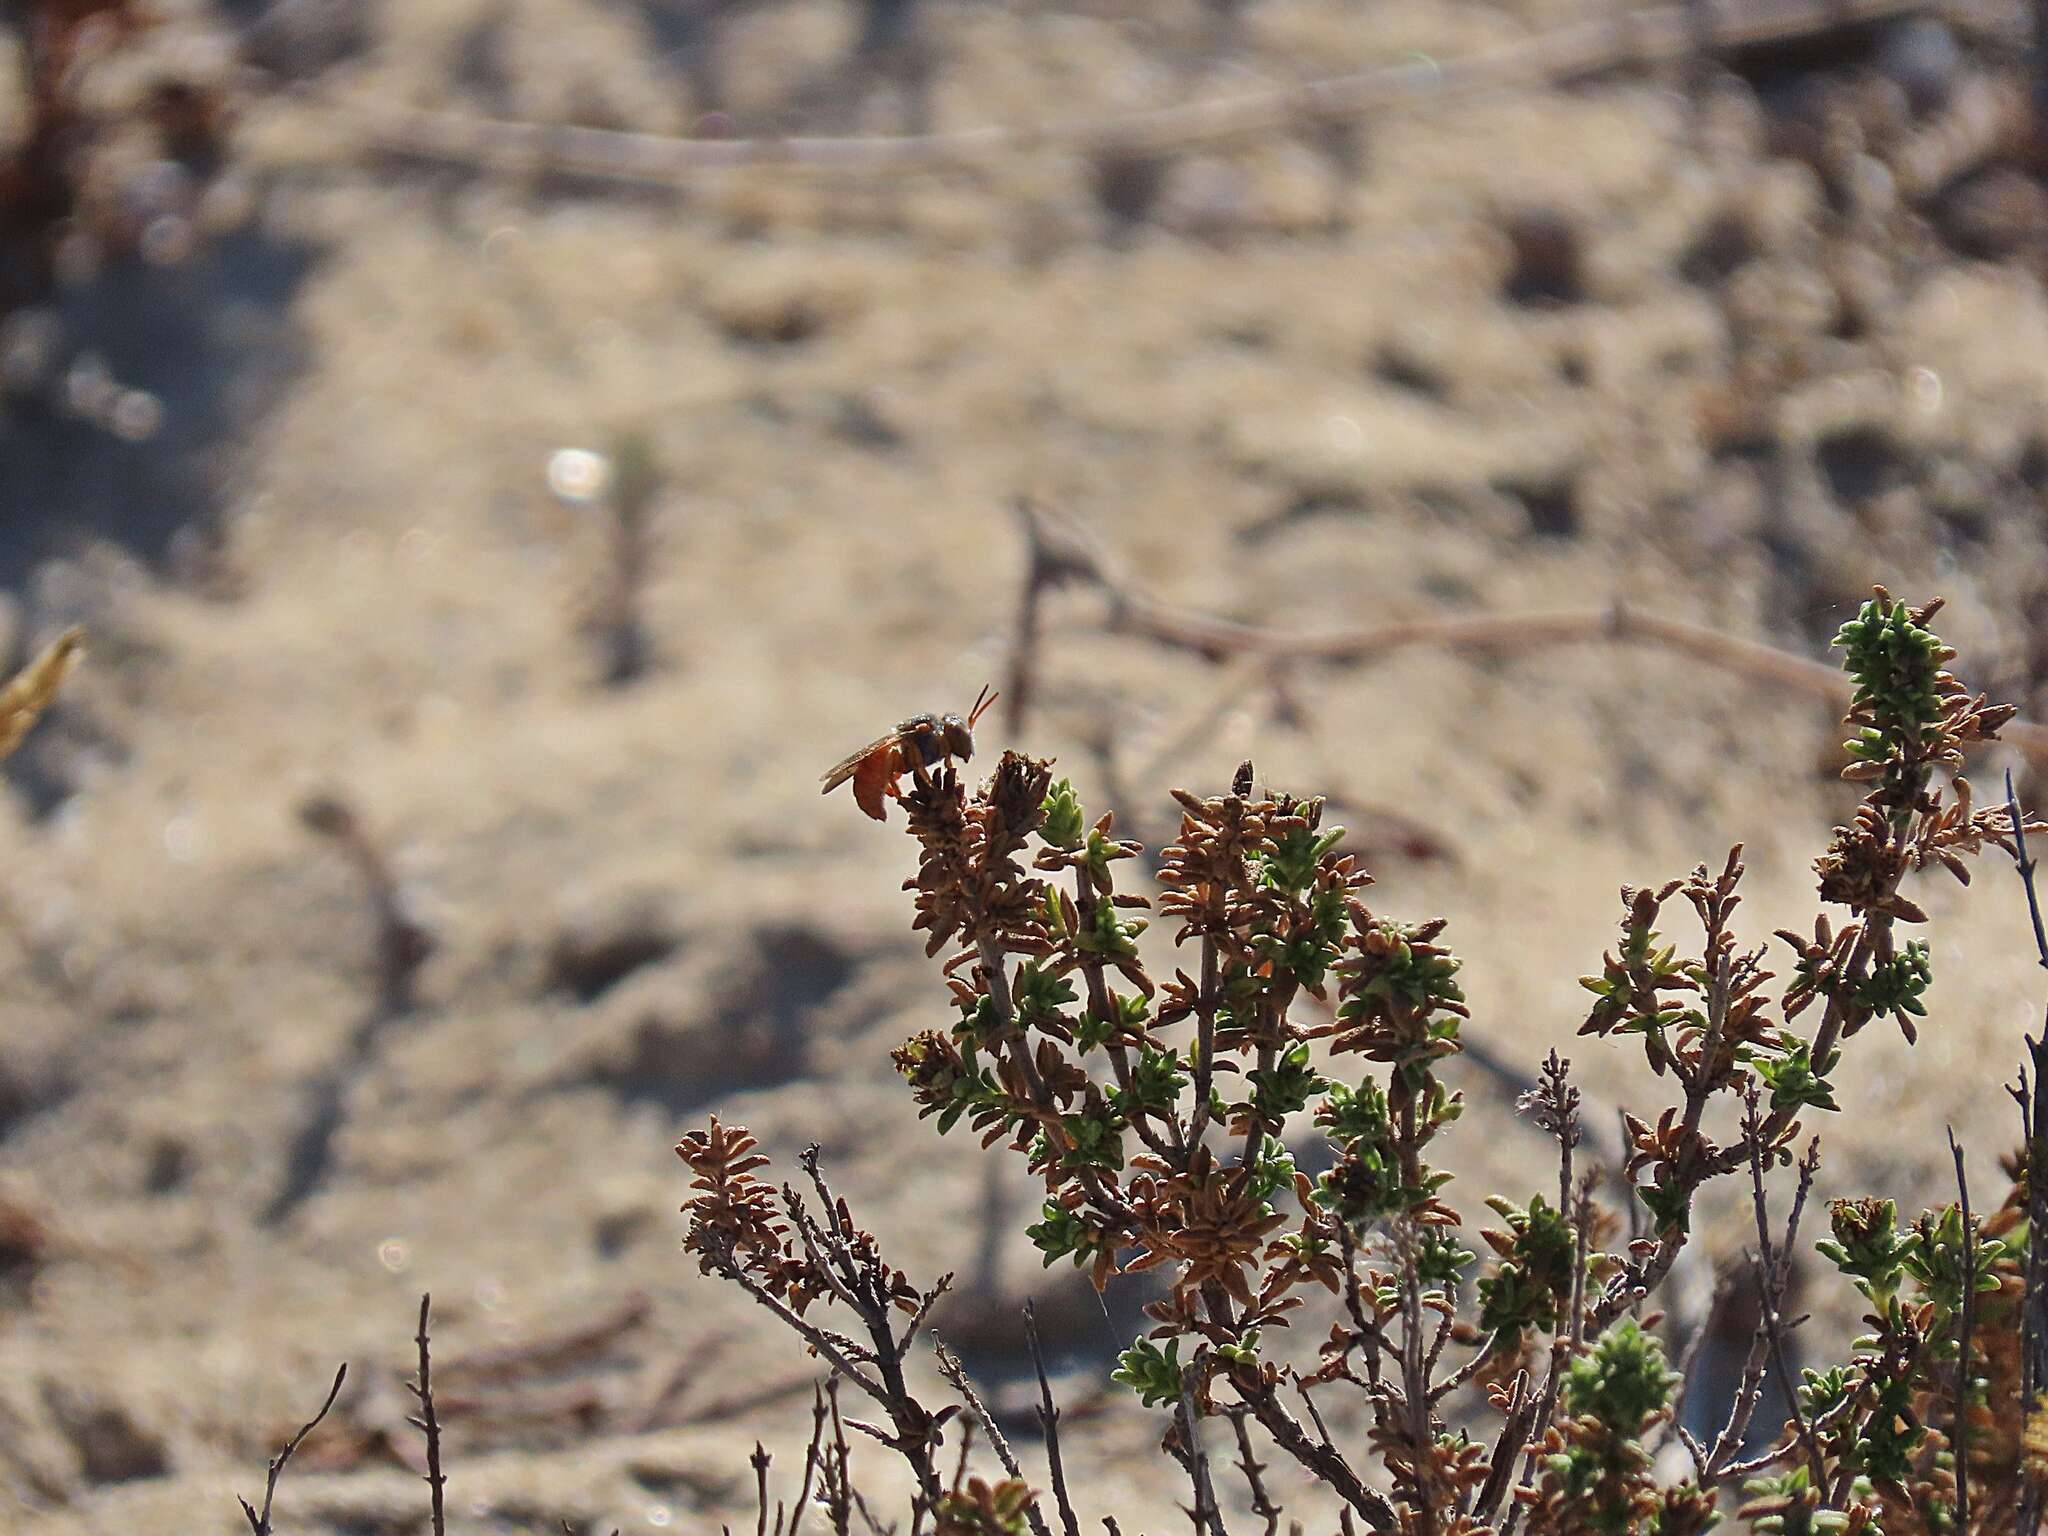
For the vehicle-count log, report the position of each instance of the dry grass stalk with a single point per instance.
(1082, 562)
(1631, 39)
(32, 690)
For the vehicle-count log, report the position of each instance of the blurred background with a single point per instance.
(489, 533)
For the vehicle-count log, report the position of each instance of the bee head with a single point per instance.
(956, 736)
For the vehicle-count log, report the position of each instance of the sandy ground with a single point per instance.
(1301, 391)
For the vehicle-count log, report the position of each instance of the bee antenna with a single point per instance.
(982, 701)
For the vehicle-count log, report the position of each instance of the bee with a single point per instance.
(918, 742)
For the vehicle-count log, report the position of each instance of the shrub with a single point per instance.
(1529, 1392)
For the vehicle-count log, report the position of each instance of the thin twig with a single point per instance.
(427, 1424)
(1735, 1429)
(1514, 1433)
(829, 1347)
(865, 1284)
(1964, 1327)
(2032, 1097)
(1262, 1502)
(2034, 1306)
(1772, 1271)
(1049, 1422)
(1322, 1458)
(957, 1377)
(1206, 1514)
(811, 1459)
(837, 1490)
(259, 1520)
(2026, 867)
(1696, 1341)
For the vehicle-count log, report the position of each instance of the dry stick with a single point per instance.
(966, 1450)
(1961, 1448)
(1315, 1414)
(827, 1345)
(1414, 1375)
(2033, 1102)
(2026, 869)
(1686, 1366)
(871, 1302)
(837, 1491)
(1049, 1422)
(759, 1462)
(1262, 1502)
(259, 1522)
(1323, 1459)
(1517, 633)
(25, 696)
(811, 1455)
(956, 1376)
(1552, 1379)
(1639, 38)
(1772, 1270)
(1514, 1433)
(1722, 1452)
(1206, 1514)
(2034, 1306)
(1132, 612)
(427, 1424)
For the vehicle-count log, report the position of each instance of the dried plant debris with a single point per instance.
(96, 177)
(24, 699)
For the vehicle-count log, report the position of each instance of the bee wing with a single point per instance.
(23, 700)
(847, 766)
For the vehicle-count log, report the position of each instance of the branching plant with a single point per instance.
(1526, 1393)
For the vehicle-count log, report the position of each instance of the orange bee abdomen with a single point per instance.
(874, 779)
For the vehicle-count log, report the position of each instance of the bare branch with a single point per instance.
(1049, 1421)
(259, 1520)
(1960, 1438)
(2025, 862)
(957, 1377)
(427, 1423)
